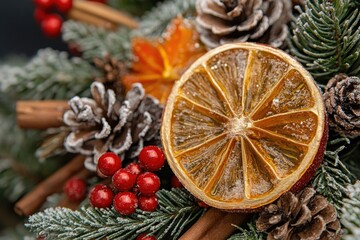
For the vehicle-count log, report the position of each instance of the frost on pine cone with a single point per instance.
(305, 215)
(106, 124)
(224, 21)
(342, 101)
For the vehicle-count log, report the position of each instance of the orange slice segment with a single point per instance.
(243, 125)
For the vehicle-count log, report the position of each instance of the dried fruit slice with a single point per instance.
(243, 125)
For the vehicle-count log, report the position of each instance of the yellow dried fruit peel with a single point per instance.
(243, 125)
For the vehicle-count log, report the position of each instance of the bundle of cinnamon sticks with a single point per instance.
(100, 15)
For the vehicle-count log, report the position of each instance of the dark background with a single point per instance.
(19, 32)
(20, 35)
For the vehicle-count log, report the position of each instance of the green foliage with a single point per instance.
(248, 233)
(19, 232)
(155, 22)
(176, 211)
(325, 38)
(97, 42)
(134, 7)
(350, 213)
(12, 184)
(333, 175)
(49, 75)
(19, 168)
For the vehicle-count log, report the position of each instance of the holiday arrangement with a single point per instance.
(207, 119)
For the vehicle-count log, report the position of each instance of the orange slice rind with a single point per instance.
(242, 126)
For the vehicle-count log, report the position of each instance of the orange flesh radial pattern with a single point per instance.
(242, 126)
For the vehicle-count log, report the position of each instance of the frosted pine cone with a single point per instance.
(224, 21)
(342, 101)
(106, 124)
(298, 217)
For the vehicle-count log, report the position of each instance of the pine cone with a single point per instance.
(224, 21)
(342, 102)
(106, 124)
(305, 215)
(113, 71)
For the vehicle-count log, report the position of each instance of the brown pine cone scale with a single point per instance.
(105, 123)
(342, 102)
(304, 216)
(224, 21)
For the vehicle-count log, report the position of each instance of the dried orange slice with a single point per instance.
(243, 125)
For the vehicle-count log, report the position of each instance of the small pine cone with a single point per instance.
(113, 71)
(342, 102)
(224, 21)
(105, 123)
(305, 215)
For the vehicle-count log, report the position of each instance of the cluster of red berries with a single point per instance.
(50, 21)
(136, 184)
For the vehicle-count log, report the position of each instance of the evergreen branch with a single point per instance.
(18, 144)
(49, 75)
(350, 213)
(12, 184)
(97, 42)
(134, 7)
(18, 232)
(325, 38)
(176, 211)
(248, 233)
(333, 176)
(154, 23)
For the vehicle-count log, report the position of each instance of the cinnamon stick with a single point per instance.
(40, 114)
(90, 19)
(33, 200)
(105, 12)
(214, 224)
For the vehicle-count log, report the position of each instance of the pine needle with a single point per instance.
(177, 211)
(97, 42)
(49, 75)
(350, 213)
(325, 38)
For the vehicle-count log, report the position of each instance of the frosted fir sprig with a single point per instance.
(177, 210)
(350, 213)
(154, 23)
(50, 74)
(333, 176)
(97, 42)
(248, 233)
(325, 38)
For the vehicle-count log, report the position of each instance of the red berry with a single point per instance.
(44, 4)
(74, 49)
(145, 236)
(134, 168)
(63, 5)
(109, 163)
(151, 158)
(75, 189)
(175, 183)
(125, 203)
(39, 14)
(148, 203)
(202, 204)
(41, 237)
(148, 183)
(123, 179)
(101, 196)
(51, 25)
